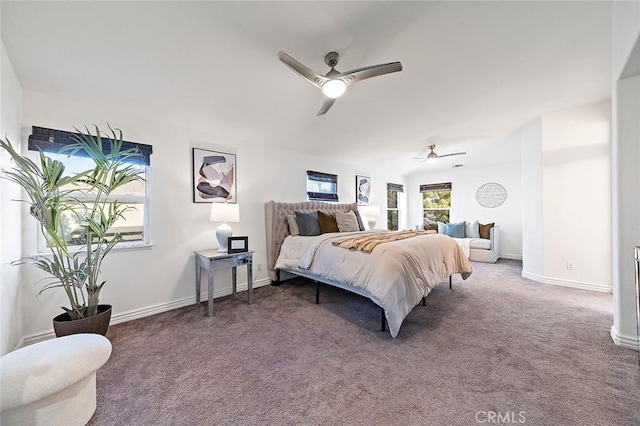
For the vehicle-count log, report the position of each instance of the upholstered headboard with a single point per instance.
(277, 228)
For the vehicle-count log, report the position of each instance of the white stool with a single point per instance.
(52, 382)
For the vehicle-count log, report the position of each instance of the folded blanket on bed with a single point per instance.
(368, 242)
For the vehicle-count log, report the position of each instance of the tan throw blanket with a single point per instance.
(368, 242)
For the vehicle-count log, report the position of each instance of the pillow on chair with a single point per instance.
(455, 230)
(485, 230)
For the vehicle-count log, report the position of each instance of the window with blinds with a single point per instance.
(393, 210)
(322, 186)
(436, 201)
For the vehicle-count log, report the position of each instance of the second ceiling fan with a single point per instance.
(432, 157)
(334, 83)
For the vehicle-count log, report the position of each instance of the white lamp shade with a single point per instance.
(369, 211)
(224, 212)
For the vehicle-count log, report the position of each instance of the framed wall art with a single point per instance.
(363, 190)
(214, 176)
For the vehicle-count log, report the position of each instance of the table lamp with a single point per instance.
(224, 213)
(370, 212)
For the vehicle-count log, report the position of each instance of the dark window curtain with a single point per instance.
(50, 140)
(323, 178)
(435, 187)
(395, 187)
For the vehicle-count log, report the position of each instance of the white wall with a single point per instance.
(465, 182)
(532, 224)
(10, 216)
(576, 145)
(625, 160)
(162, 277)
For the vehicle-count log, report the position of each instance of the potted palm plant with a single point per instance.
(73, 262)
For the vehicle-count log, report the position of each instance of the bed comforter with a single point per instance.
(396, 275)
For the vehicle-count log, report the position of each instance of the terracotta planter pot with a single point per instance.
(63, 325)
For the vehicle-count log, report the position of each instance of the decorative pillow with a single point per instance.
(293, 224)
(485, 230)
(359, 218)
(442, 227)
(327, 223)
(347, 222)
(429, 225)
(308, 223)
(455, 230)
(472, 230)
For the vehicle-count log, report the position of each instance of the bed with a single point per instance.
(396, 275)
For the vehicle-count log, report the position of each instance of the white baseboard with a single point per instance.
(511, 256)
(567, 283)
(626, 341)
(150, 310)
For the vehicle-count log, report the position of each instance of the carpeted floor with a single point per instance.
(496, 349)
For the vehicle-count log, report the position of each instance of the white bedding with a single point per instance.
(396, 274)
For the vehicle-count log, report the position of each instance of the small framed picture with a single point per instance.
(237, 244)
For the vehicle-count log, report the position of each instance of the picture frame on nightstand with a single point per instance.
(237, 245)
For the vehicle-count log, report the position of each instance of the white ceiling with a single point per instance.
(473, 71)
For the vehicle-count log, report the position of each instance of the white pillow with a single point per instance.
(293, 224)
(472, 230)
(347, 222)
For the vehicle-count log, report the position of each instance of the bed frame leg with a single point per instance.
(424, 302)
(450, 281)
(384, 320)
(317, 293)
(277, 281)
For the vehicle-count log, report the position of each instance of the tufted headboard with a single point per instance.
(277, 228)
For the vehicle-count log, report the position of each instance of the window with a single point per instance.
(393, 212)
(322, 186)
(133, 226)
(436, 201)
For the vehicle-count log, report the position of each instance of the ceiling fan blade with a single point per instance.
(360, 74)
(449, 155)
(302, 70)
(328, 103)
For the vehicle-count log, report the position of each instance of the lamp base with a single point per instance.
(371, 223)
(223, 232)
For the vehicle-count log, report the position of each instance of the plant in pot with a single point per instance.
(56, 198)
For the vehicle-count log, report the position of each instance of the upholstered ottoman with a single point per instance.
(52, 382)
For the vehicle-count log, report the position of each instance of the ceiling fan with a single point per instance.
(432, 157)
(334, 83)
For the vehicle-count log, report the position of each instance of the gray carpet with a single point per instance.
(529, 352)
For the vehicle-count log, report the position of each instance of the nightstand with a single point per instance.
(211, 260)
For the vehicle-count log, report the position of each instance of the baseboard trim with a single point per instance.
(624, 340)
(149, 310)
(567, 283)
(511, 256)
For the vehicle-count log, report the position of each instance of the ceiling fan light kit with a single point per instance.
(334, 83)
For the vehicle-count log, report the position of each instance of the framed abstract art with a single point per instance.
(214, 176)
(363, 189)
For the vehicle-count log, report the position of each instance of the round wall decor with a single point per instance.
(491, 195)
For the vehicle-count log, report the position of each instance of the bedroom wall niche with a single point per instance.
(464, 207)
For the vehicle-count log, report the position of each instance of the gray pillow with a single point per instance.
(293, 224)
(472, 230)
(442, 228)
(347, 222)
(308, 223)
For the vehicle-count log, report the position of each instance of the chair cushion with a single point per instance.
(455, 230)
(485, 230)
(472, 230)
(480, 243)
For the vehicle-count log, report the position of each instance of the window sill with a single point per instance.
(117, 248)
